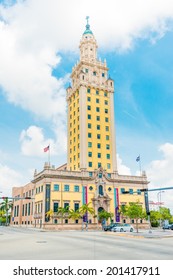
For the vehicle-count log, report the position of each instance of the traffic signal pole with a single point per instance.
(146, 190)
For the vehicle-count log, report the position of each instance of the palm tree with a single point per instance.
(84, 209)
(104, 215)
(63, 212)
(6, 205)
(49, 214)
(2, 213)
(74, 215)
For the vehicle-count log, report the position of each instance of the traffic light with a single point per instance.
(143, 190)
(27, 197)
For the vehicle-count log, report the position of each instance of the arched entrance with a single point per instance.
(100, 209)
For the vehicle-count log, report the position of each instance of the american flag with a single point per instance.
(46, 149)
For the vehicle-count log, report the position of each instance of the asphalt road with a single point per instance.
(35, 244)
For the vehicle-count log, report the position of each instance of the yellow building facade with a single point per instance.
(90, 174)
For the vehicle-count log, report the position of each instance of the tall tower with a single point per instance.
(91, 130)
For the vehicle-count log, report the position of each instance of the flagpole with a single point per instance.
(49, 155)
(140, 165)
(138, 159)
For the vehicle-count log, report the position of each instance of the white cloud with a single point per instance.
(122, 169)
(33, 142)
(8, 178)
(159, 173)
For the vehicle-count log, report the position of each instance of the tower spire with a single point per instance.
(87, 31)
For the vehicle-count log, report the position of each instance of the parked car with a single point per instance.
(123, 228)
(167, 226)
(109, 227)
(171, 226)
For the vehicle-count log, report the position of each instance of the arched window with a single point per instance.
(101, 190)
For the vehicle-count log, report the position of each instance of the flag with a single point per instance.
(138, 158)
(46, 149)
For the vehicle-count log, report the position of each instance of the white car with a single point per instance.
(123, 228)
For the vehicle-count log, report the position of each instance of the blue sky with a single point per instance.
(38, 48)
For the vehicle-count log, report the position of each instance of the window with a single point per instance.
(66, 221)
(100, 175)
(66, 188)
(89, 144)
(66, 204)
(89, 117)
(100, 190)
(107, 128)
(97, 118)
(90, 164)
(76, 206)
(99, 155)
(76, 188)
(56, 187)
(89, 125)
(103, 74)
(99, 164)
(131, 191)
(108, 156)
(98, 145)
(86, 70)
(89, 135)
(90, 154)
(106, 102)
(89, 107)
(98, 127)
(105, 94)
(109, 175)
(55, 207)
(97, 109)
(97, 92)
(98, 136)
(94, 73)
(91, 188)
(90, 174)
(106, 111)
(97, 100)
(107, 137)
(107, 146)
(108, 166)
(88, 90)
(89, 99)
(106, 119)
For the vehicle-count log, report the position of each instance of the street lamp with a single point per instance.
(159, 202)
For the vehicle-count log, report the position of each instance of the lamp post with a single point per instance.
(159, 202)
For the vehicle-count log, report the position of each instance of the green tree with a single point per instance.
(74, 215)
(104, 215)
(154, 218)
(123, 211)
(63, 212)
(165, 213)
(6, 205)
(84, 209)
(2, 218)
(50, 214)
(135, 211)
